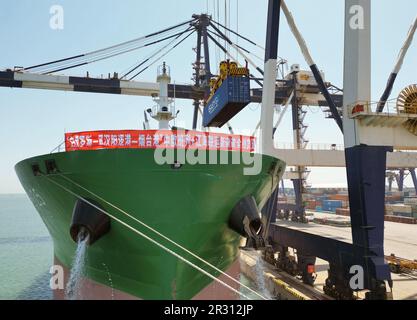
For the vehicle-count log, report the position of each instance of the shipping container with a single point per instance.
(332, 205)
(229, 99)
(311, 204)
(410, 201)
(402, 214)
(343, 197)
(389, 217)
(322, 198)
(343, 212)
(400, 219)
(398, 208)
(392, 198)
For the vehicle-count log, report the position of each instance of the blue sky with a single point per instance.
(33, 122)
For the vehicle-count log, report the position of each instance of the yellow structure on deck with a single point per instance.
(227, 68)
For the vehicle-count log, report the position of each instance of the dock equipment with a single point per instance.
(366, 148)
(401, 265)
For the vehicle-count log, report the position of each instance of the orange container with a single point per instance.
(343, 197)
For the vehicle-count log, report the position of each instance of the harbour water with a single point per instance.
(25, 251)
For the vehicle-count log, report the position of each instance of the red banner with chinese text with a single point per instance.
(152, 139)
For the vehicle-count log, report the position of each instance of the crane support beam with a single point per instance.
(270, 76)
(336, 158)
(12, 79)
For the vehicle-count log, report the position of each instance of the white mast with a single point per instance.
(164, 112)
(268, 91)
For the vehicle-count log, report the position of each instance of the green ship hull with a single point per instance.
(191, 205)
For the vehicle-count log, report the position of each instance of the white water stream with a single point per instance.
(260, 279)
(72, 291)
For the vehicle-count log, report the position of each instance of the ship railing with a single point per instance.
(391, 107)
(311, 146)
(59, 148)
(157, 108)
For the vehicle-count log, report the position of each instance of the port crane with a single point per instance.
(368, 134)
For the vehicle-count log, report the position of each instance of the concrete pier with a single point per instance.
(400, 239)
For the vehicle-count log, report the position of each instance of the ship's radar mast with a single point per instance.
(164, 111)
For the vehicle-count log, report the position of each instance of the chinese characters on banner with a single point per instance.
(152, 139)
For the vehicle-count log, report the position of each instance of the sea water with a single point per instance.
(26, 251)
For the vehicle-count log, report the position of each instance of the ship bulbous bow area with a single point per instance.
(87, 218)
(245, 220)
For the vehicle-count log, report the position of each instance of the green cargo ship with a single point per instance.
(191, 205)
(141, 213)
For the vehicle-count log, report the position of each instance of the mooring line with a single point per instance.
(151, 240)
(164, 237)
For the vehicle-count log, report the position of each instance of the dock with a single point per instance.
(400, 240)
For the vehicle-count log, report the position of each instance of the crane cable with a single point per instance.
(245, 38)
(107, 50)
(150, 239)
(113, 47)
(236, 47)
(112, 55)
(137, 66)
(239, 35)
(231, 57)
(90, 59)
(163, 55)
(237, 27)
(239, 50)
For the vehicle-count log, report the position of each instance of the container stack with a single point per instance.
(393, 198)
(340, 197)
(343, 212)
(312, 204)
(332, 205)
(388, 217)
(412, 202)
(400, 209)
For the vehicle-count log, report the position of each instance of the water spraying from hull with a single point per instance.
(260, 278)
(72, 291)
